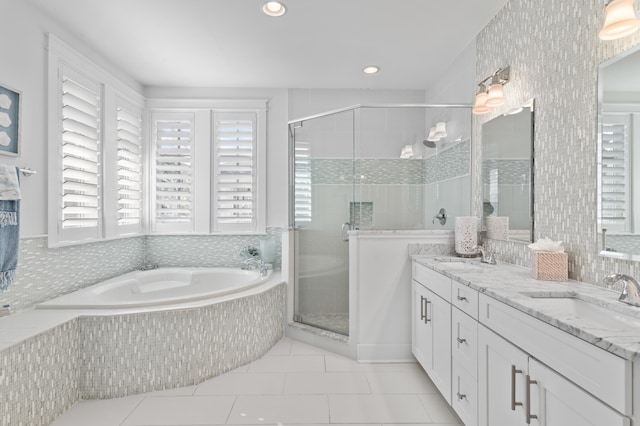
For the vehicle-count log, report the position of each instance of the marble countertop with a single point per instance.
(603, 321)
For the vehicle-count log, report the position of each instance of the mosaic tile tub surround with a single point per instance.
(113, 356)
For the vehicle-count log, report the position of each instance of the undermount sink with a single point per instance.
(590, 312)
(453, 263)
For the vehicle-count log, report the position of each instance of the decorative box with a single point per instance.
(550, 266)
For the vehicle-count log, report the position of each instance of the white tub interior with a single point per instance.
(164, 286)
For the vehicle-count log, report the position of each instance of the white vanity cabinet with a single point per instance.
(431, 326)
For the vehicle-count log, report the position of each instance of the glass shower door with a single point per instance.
(322, 199)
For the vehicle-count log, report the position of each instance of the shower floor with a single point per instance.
(338, 323)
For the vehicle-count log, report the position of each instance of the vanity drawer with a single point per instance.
(464, 400)
(464, 298)
(464, 341)
(433, 280)
(604, 375)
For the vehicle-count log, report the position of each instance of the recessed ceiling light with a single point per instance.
(274, 8)
(371, 69)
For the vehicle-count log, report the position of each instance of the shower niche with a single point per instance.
(367, 168)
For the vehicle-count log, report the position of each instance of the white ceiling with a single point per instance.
(317, 44)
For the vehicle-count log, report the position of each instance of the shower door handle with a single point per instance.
(346, 227)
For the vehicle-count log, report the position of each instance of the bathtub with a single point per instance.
(159, 287)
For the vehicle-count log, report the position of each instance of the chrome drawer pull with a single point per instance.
(514, 404)
(426, 311)
(461, 298)
(461, 396)
(461, 340)
(528, 397)
(423, 315)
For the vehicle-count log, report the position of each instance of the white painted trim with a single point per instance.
(228, 105)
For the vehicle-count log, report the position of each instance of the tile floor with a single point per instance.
(293, 384)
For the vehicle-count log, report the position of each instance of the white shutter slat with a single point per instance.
(615, 185)
(302, 182)
(81, 166)
(129, 163)
(235, 157)
(173, 171)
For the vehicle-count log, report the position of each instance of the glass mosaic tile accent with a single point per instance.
(449, 163)
(540, 40)
(510, 172)
(367, 171)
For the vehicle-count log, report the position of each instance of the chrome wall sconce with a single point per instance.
(491, 91)
(621, 20)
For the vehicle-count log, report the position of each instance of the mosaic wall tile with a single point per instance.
(361, 214)
(509, 172)
(367, 171)
(554, 52)
(205, 250)
(39, 377)
(449, 163)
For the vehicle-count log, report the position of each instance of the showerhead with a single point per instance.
(429, 144)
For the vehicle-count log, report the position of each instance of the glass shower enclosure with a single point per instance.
(365, 168)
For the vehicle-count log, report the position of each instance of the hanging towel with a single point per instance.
(9, 224)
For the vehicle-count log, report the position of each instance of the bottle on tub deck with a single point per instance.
(5, 310)
(466, 235)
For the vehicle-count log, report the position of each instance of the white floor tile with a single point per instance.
(108, 412)
(336, 363)
(184, 391)
(400, 382)
(181, 410)
(287, 409)
(280, 364)
(243, 384)
(326, 383)
(439, 409)
(377, 408)
(299, 348)
(242, 369)
(283, 347)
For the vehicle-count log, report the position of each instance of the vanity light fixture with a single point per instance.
(494, 96)
(621, 20)
(441, 130)
(432, 135)
(274, 8)
(371, 69)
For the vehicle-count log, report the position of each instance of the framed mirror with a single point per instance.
(507, 175)
(618, 219)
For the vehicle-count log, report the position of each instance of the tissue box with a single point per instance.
(550, 266)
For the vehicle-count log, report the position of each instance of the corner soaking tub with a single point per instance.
(159, 287)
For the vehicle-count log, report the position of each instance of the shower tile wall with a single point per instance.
(45, 273)
(448, 184)
(554, 52)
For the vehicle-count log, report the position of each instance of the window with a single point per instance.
(303, 194)
(129, 169)
(95, 151)
(172, 168)
(208, 168)
(615, 173)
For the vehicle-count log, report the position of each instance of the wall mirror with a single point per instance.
(507, 175)
(618, 219)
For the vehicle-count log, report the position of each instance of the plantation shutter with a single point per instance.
(235, 169)
(615, 173)
(302, 208)
(129, 149)
(173, 158)
(81, 156)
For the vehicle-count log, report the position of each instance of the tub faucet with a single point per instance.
(631, 290)
(487, 256)
(256, 263)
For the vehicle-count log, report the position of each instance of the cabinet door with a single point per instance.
(439, 320)
(431, 336)
(555, 401)
(420, 330)
(502, 368)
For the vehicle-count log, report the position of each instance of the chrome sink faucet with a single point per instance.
(631, 290)
(487, 256)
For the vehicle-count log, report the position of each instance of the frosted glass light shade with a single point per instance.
(495, 97)
(621, 20)
(441, 130)
(432, 135)
(274, 8)
(480, 106)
